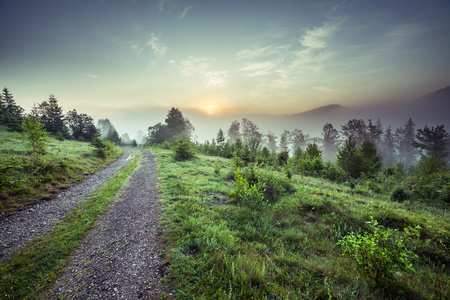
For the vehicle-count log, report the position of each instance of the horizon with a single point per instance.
(130, 61)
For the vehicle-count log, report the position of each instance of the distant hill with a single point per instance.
(328, 109)
(440, 98)
(432, 109)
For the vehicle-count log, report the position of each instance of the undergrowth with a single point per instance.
(32, 268)
(27, 177)
(224, 240)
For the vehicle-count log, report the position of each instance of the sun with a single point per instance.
(210, 109)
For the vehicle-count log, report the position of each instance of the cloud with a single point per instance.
(185, 11)
(201, 66)
(216, 78)
(261, 51)
(135, 47)
(158, 48)
(194, 65)
(405, 31)
(91, 75)
(262, 68)
(316, 38)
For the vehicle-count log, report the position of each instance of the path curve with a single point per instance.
(25, 225)
(120, 257)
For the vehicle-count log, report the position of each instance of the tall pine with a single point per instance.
(12, 114)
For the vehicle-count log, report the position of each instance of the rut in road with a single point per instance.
(120, 257)
(30, 223)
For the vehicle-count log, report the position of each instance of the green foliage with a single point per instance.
(359, 160)
(247, 194)
(10, 167)
(287, 250)
(26, 273)
(283, 156)
(36, 135)
(381, 253)
(184, 150)
(313, 151)
(216, 168)
(333, 172)
(400, 195)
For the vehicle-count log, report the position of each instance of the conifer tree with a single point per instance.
(432, 141)
(404, 137)
(12, 113)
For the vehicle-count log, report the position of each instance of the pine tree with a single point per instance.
(12, 113)
(389, 148)
(375, 131)
(404, 137)
(220, 139)
(50, 114)
(432, 141)
(356, 129)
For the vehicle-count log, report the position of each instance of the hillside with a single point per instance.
(223, 243)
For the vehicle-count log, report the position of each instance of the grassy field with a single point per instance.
(32, 268)
(26, 178)
(287, 249)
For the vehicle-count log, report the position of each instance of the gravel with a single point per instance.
(24, 225)
(120, 257)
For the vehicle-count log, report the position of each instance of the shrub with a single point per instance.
(383, 252)
(248, 194)
(399, 195)
(283, 157)
(36, 135)
(184, 150)
(216, 168)
(10, 167)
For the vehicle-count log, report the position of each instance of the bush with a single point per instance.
(399, 195)
(247, 194)
(184, 150)
(383, 252)
(36, 135)
(10, 167)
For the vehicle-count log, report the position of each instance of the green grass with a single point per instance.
(32, 268)
(220, 250)
(32, 178)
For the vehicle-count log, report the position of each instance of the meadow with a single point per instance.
(26, 179)
(223, 242)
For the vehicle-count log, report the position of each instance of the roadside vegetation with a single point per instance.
(29, 174)
(31, 269)
(248, 230)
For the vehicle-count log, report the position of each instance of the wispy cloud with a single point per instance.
(185, 12)
(316, 38)
(201, 66)
(157, 46)
(405, 31)
(91, 75)
(194, 65)
(261, 51)
(261, 68)
(216, 78)
(136, 48)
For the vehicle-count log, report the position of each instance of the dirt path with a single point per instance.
(27, 224)
(120, 258)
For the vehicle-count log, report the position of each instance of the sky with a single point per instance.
(132, 60)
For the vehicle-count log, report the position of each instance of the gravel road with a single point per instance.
(27, 224)
(120, 257)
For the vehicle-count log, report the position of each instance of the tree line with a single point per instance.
(72, 125)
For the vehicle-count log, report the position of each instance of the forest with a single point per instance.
(360, 212)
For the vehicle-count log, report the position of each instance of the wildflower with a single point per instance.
(313, 208)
